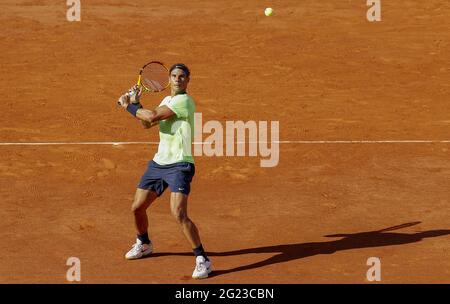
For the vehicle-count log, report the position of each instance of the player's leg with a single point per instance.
(143, 246)
(179, 177)
(150, 187)
(178, 206)
(142, 200)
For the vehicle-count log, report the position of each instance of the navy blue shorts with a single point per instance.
(177, 176)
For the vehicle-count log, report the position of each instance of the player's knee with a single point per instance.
(137, 206)
(134, 208)
(180, 216)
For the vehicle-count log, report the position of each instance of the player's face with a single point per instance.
(178, 81)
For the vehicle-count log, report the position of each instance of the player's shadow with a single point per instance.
(289, 252)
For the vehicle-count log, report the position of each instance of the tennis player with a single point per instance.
(172, 166)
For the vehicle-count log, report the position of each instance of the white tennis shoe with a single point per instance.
(202, 268)
(139, 250)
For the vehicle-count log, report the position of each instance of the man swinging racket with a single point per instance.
(172, 166)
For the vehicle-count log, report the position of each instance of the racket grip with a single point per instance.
(133, 92)
(139, 81)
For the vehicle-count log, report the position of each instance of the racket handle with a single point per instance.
(134, 92)
(139, 81)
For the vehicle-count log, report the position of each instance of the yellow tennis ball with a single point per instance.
(268, 11)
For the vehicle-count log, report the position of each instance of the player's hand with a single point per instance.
(135, 94)
(124, 100)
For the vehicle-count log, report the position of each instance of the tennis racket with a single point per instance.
(153, 77)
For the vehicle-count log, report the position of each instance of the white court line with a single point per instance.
(362, 141)
(202, 143)
(80, 143)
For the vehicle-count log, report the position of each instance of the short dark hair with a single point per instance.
(181, 66)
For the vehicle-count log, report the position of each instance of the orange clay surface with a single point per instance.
(318, 67)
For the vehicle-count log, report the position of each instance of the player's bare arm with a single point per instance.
(154, 116)
(148, 118)
(147, 125)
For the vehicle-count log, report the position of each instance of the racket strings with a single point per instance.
(155, 77)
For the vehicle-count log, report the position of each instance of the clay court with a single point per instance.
(364, 116)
